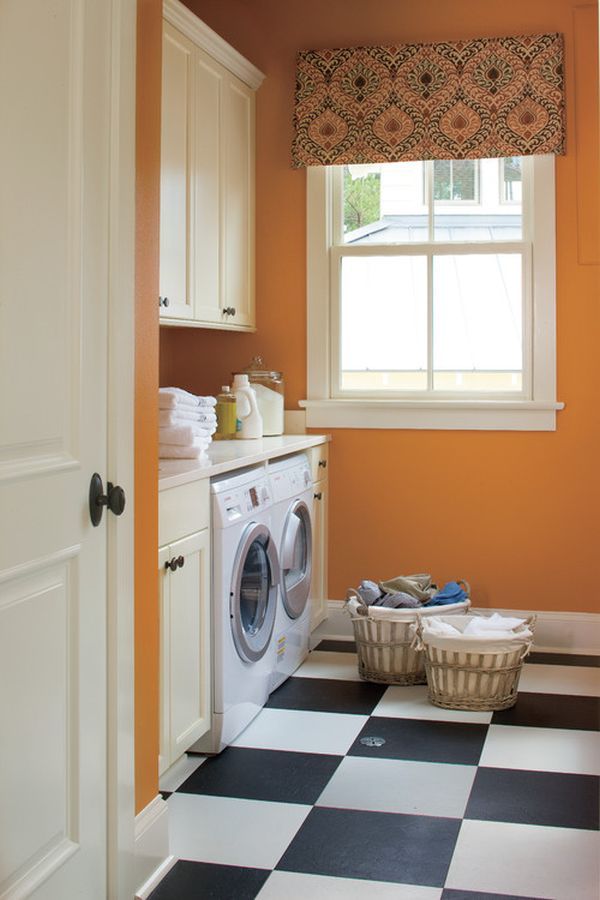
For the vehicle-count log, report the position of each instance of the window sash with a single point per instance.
(429, 249)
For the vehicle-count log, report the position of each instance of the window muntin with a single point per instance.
(457, 328)
(511, 180)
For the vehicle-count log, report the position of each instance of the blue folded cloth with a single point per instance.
(450, 593)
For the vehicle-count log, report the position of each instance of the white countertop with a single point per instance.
(224, 456)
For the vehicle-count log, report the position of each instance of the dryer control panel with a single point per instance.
(290, 477)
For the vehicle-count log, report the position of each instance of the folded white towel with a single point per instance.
(185, 434)
(182, 451)
(170, 398)
(185, 415)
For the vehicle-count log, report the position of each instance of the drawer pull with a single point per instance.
(318, 496)
(176, 563)
(323, 463)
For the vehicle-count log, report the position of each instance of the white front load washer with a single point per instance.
(245, 577)
(291, 486)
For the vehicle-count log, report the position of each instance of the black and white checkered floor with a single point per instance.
(443, 804)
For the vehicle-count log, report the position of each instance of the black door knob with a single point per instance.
(114, 499)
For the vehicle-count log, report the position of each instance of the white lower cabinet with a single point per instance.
(185, 685)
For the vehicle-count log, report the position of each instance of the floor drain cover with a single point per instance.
(373, 741)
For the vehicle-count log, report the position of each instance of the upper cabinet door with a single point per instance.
(238, 239)
(206, 189)
(176, 145)
(207, 177)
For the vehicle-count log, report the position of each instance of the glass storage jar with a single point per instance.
(270, 390)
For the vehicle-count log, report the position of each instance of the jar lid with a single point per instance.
(257, 367)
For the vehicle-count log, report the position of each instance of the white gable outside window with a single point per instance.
(431, 295)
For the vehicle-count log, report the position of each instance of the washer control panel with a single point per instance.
(239, 503)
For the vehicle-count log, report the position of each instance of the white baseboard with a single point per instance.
(555, 632)
(152, 857)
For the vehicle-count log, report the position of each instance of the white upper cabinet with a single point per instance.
(207, 178)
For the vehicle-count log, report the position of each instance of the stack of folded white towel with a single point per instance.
(186, 424)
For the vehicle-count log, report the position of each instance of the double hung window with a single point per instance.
(431, 294)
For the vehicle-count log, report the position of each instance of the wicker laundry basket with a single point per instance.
(384, 640)
(480, 674)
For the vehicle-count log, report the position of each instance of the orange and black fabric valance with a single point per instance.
(457, 100)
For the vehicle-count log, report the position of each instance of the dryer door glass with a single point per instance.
(296, 560)
(253, 596)
(254, 588)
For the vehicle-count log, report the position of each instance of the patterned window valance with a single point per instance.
(460, 100)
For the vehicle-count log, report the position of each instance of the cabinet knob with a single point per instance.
(229, 310)
(163, 301)
(176, 563)
(323, 463)
(318, 496)
(180, 561)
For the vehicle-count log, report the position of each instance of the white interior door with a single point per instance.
(55, 186)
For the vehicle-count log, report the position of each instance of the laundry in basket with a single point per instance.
(473, 662)
(381, 632)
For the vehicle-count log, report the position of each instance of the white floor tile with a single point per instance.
(329, 664)
(232, 832)
(412, 703)
(295, 886)
(400, 786)
(542, 749)
(306, 732)
(179, 772)
(582, 680)
(526, 860)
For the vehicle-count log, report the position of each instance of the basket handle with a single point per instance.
(465, 586)
(355, 605)
(417, 641)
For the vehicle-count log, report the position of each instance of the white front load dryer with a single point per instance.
(245, 577)
(291, 486)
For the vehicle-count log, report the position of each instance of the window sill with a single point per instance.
(451, 415)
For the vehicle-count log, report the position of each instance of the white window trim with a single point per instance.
(537, 413)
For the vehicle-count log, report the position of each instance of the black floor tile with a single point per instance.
(563, 659)
(373, 845)
(428, 741)
(535, 798)
(282, 777)
(204, 881)
(327, 695)
(337, 646)
(449, 894)
(552, 711)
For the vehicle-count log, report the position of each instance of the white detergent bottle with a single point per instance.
(250, 423)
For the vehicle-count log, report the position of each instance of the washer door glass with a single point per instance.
(296, 560)
(253, 593)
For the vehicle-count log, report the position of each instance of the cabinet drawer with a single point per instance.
(183, 510)
(319, 461)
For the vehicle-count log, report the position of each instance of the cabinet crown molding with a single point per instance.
(208, 40)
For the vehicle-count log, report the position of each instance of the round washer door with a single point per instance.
(253, 597)
(296, 559)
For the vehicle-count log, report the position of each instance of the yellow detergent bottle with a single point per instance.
(226, 415)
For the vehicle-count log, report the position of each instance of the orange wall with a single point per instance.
(514, 513)
(146, 414)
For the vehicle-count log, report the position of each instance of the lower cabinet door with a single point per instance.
(185, 644)
(318, 610)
